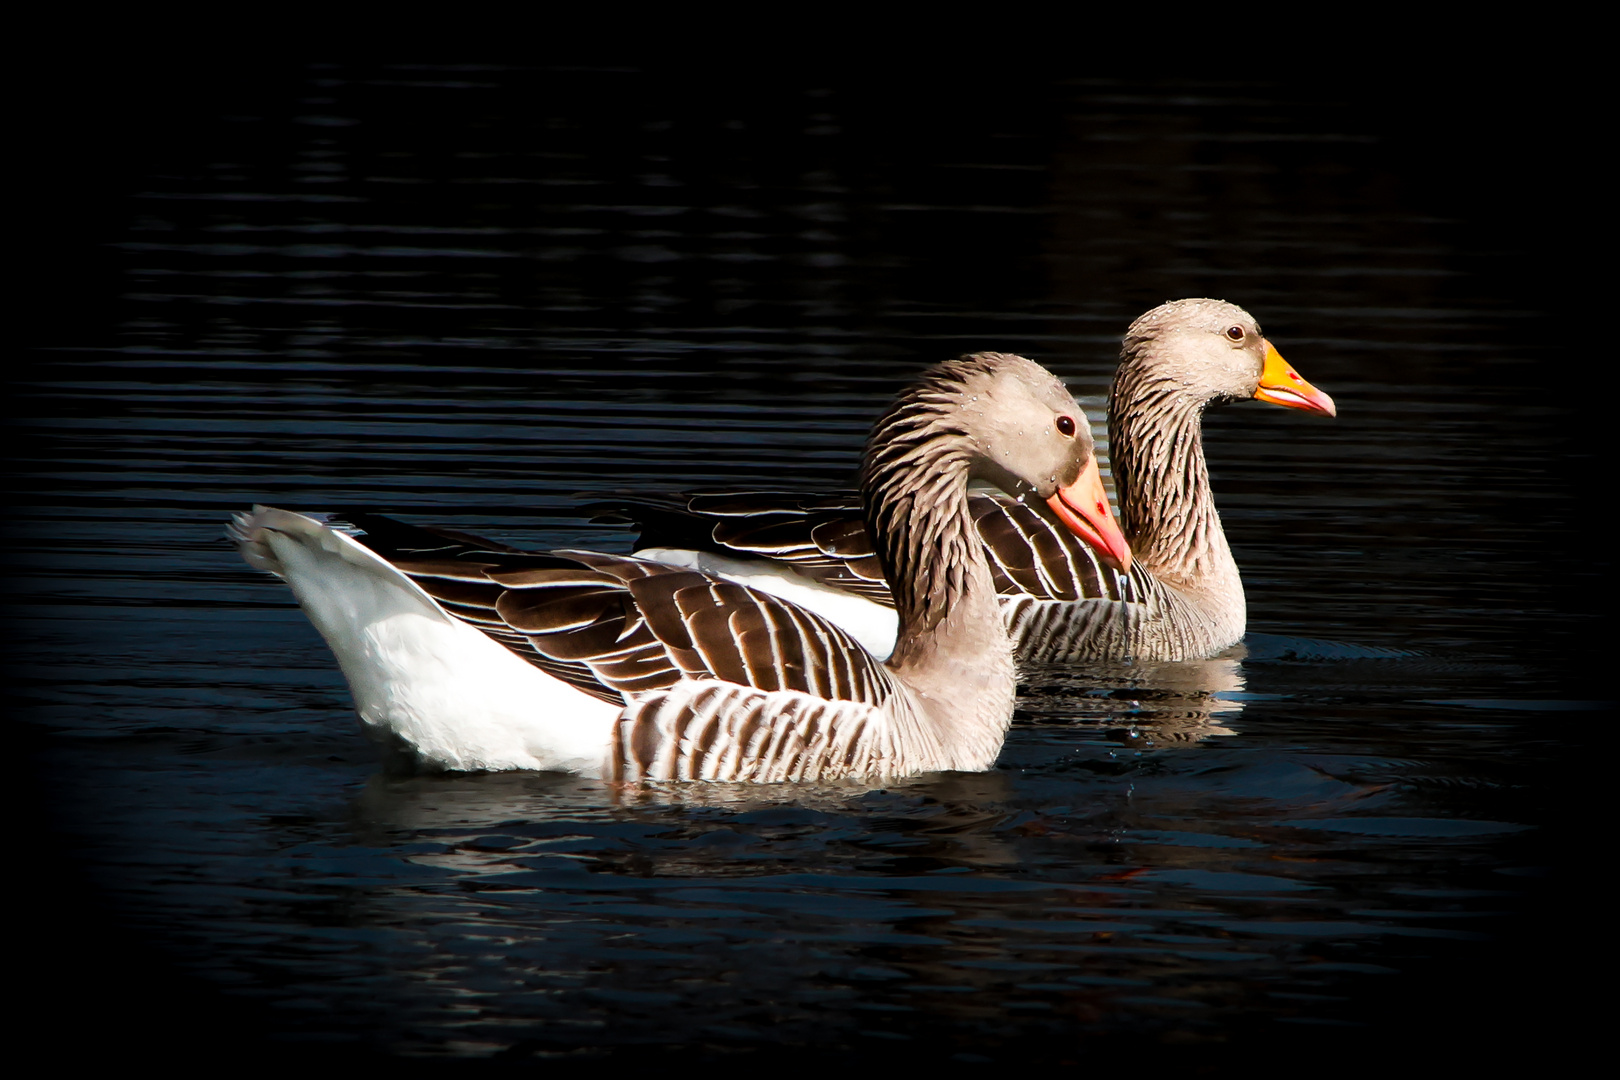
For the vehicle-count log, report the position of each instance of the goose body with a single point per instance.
(1182, 596)
(467, 654)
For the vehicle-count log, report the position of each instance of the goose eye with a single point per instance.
(1235, 333)
(1065, 426)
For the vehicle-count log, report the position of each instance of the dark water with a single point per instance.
(476, 297)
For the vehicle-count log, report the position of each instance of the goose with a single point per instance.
(1182, 599)
(464, 654)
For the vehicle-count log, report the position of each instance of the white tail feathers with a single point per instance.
(455, 696)
(247, 531)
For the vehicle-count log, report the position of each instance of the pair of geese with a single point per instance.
(895, 650)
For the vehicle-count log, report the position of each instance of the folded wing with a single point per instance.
(619, 627)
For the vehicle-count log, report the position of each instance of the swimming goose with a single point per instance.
(471, 655)
(1183, 597)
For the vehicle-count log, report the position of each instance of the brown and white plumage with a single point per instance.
(1182, 597)
(673, 674)
(815, 550)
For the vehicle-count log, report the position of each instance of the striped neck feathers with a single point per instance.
(914, 487)
(1156, 434)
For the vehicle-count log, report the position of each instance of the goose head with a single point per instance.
(1022, 431)
(1215, 353)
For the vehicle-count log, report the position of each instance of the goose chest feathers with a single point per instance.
(1062, 600)
(467, 654)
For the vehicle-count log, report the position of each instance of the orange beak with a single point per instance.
(1083, 507)
(1280, 384)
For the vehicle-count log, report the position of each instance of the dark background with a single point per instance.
(1499, 154)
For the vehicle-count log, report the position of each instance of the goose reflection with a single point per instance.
(1143, 704)
(500, 823)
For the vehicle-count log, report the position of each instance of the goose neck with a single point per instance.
(1162, 479)
(952, 649)
(917, 513)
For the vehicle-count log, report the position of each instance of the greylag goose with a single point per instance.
(1183, 597)
(471, 655)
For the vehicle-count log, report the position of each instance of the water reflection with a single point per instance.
(1145, 703)
(960, 907)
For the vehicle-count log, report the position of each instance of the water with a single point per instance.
(480, 297)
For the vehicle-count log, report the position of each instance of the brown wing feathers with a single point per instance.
(617, 627)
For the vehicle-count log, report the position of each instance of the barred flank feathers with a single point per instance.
(708, 730)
